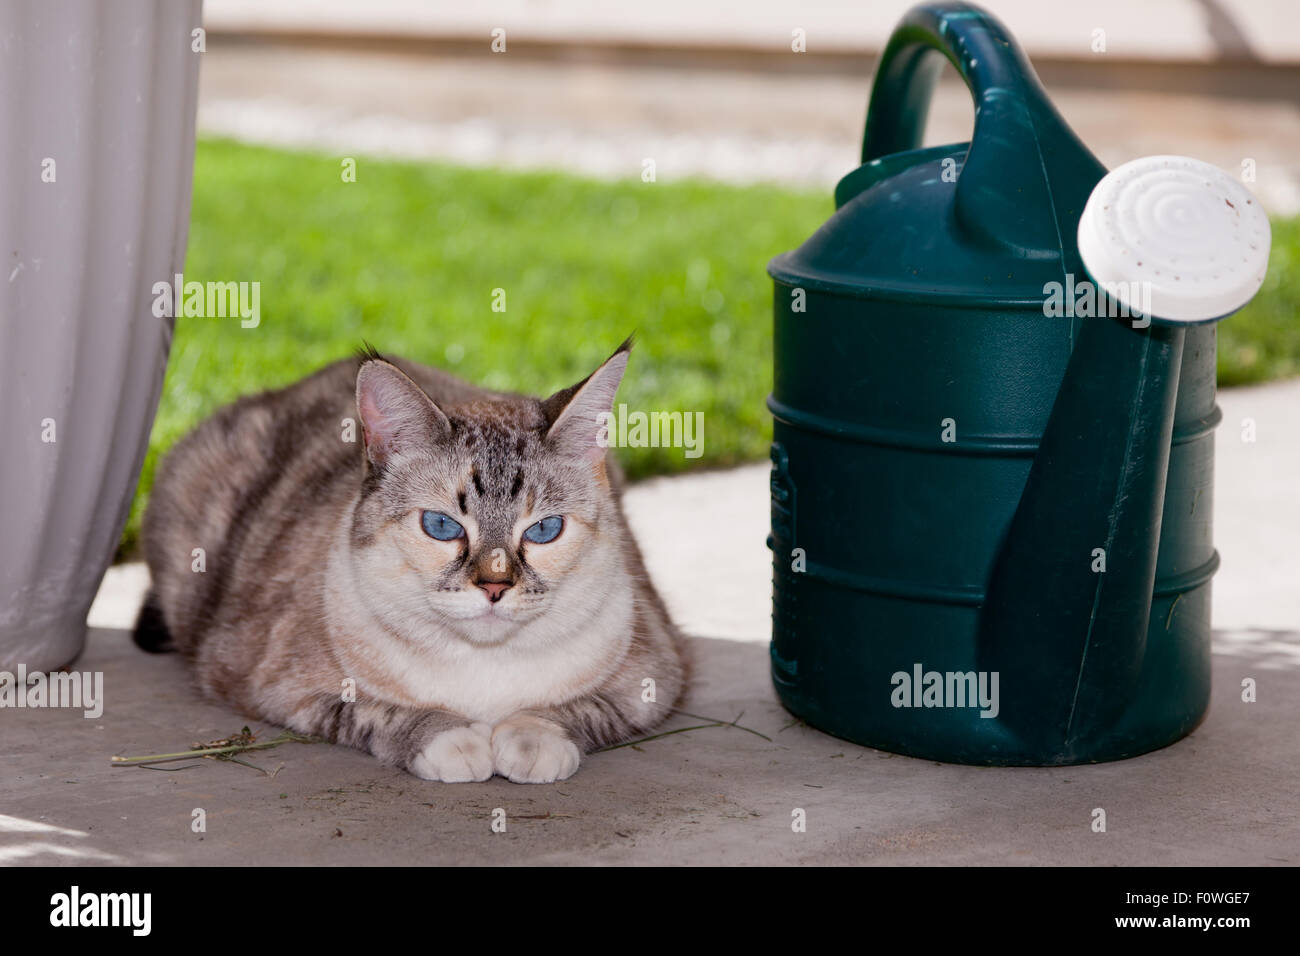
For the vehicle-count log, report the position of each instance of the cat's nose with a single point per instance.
(494, 589)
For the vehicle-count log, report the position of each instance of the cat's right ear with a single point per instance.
(396, 415)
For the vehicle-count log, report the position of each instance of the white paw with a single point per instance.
(456, 756)
(531, 750)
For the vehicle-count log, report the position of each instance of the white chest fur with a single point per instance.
(567, 651)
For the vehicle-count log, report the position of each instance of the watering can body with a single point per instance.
(991, 509)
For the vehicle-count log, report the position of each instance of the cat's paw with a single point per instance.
(456, 756)
(533, 750)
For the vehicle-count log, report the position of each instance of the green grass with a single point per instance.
(1262, 341)
(408, 256)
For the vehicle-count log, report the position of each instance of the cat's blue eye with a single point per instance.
(441, 526)
(545, 531)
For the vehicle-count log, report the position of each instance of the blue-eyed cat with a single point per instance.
(456, 590)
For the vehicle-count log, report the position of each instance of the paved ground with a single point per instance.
(1225, 795)
(719, 796)
(757, 119)
(1156, 29)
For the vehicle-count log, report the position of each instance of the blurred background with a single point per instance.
(633, 167)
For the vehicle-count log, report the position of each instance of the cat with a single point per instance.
(457, 593)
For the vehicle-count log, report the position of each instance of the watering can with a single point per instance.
(991, 487)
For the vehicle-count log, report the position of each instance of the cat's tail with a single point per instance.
(151, 632)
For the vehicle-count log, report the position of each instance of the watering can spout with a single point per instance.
(1067, 606)
(1067, 611)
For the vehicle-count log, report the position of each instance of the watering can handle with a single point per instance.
(985, 56)
(1025, 171)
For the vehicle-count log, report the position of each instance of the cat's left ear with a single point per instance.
(577, 414)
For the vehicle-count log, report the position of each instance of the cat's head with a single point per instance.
(483, 517)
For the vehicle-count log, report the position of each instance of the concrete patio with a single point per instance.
(1225, 795)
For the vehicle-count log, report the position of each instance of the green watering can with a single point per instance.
(994, 404)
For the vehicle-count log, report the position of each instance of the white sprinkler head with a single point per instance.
(1174, 238)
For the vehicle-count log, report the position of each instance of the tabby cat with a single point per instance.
(457, 592)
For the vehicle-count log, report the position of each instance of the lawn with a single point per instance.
(408, 256)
